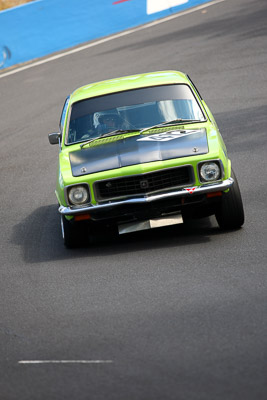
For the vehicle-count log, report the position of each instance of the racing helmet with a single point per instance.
(107, 120)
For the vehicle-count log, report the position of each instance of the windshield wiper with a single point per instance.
(108, 134)
(172, 122)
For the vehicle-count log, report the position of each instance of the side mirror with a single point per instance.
(54, 138)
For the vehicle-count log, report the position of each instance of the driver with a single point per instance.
(108, 122)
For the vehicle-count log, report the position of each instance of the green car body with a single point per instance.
(146, 155)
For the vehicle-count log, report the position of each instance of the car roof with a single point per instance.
(128, 83)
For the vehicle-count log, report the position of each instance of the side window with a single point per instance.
(63, 114)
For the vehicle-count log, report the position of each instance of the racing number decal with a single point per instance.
(162, 137)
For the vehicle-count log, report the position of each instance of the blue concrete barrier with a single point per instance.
(43, 27)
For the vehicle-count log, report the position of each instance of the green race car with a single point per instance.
(140, 152)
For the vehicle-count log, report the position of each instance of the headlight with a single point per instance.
(78, 195)
(210, 171)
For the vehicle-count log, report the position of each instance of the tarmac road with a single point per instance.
(178, 313)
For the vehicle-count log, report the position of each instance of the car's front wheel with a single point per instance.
(230, 212)
(75, 234)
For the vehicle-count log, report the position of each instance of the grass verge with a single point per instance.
(4, 4)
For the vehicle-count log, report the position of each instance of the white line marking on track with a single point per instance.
(109, 38)
(65, 362)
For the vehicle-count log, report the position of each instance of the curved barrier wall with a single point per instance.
(43, 27)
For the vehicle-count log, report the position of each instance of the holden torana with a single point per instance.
(140, 152)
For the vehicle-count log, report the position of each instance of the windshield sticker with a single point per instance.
(165, 136)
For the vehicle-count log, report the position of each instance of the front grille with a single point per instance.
(143, 184)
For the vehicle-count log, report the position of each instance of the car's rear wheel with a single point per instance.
(75, 234)
(230, 212)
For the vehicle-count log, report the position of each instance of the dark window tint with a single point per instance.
(131, 97)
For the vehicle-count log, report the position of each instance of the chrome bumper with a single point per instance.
(216, 187)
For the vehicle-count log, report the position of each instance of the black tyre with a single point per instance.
(230, 212)
(75, 234)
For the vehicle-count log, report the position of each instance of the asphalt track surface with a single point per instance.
(180, 312)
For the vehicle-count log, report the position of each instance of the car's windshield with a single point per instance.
(131, 110)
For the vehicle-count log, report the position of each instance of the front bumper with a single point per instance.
(90, 209)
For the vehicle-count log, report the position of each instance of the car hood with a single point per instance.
(138, 149)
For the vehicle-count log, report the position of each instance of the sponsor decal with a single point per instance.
(154, 6)
(190, 190)
(5, 54)
(119, 1)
